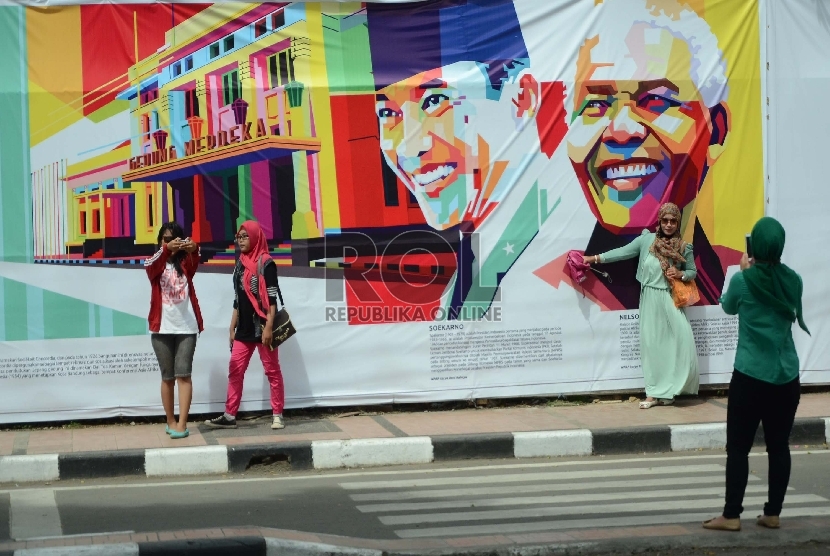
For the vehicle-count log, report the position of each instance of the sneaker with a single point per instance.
(221, 422)
(278, 423)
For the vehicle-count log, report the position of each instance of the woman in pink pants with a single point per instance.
(254, 309)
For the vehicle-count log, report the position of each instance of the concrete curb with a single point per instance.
(367, 452)
(267, 545)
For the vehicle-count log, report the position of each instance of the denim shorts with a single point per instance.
(175, 354)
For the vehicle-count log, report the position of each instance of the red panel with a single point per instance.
(359, 171)
(108, 43)
(384, 295)
(342, 157)
(551, 117)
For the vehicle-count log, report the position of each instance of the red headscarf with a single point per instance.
(249, 260)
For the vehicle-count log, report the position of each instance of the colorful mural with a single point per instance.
(371, 140)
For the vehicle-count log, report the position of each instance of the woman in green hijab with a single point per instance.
(766, 296)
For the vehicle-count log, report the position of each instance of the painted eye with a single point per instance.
(595, 108)
(384, 112)
(432, 102)
(657, 103)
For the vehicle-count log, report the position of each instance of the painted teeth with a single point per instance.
(434, 175)
(630, 171)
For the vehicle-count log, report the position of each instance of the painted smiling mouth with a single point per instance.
(624, 171)
(436, 174)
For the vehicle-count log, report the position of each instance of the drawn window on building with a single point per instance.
(145, 127)
(96, 221)
(82, 222)
(277, 20)
(214, 50)
(149, 96)
(281, 68)
(260, 28)
(177, 69)
(188, 63)
(150, 222)
(231, 87)
(191, 103)
(228, 43)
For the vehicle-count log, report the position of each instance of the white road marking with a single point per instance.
(34, 513)
(564, 499)
(527, 477)
(517, 513)
(559, 525)
(120, 549)
(536, 488)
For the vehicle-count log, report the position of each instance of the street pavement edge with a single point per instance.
(368, 452)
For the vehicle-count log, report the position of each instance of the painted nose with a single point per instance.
(416, 141)
(625, 130)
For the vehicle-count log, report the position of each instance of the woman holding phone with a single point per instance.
(765, 387)
(252, 321)
(175, 320)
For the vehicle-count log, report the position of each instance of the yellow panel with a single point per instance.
(105, 159)
(319, 91)
(47, 114)
(54, 51)
(737, 178)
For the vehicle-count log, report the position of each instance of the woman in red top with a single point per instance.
(175, 319)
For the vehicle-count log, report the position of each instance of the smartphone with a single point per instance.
(749, 246)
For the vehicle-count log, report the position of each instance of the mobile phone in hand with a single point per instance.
(749, 246)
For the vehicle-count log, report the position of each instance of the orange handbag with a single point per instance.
(685, 294)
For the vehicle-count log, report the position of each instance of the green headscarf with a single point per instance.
(768, 279)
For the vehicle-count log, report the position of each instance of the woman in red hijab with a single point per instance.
(254, 310)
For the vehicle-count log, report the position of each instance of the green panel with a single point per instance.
(128, 325)
(16, 243)
(110, 109)
(67, 317)
(59, 316)
(15, 312)
(348, 58)
(246, 209)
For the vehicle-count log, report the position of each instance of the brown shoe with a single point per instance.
(721, 523)
(769, 521)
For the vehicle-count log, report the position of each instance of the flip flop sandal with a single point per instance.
(648, 404)
(725, 525)
(769, 521)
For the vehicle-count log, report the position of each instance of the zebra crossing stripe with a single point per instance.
(590, 523)
(551, 511)
(527, 477)
(562, 499)
(537, 488)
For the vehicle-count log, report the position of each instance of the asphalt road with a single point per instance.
(421, 502)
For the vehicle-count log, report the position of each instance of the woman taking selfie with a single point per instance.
(175, 319)
(667, 346)
(766, 296)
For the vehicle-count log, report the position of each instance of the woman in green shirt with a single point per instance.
(766, 296)
(667, 346)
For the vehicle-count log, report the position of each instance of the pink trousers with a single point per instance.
(240, 357)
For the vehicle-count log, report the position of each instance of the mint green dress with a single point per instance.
(667, 345)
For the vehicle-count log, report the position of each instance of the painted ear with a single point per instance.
(721, 119)
(528, 99)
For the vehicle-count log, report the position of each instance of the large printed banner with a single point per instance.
(420, 171)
